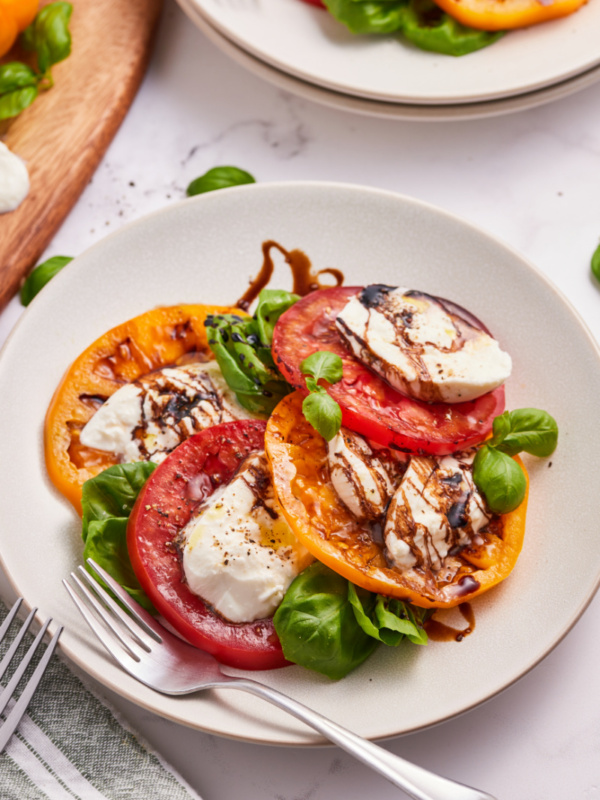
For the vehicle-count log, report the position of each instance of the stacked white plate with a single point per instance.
(304, 50)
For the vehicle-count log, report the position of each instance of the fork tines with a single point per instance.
(16, 713)
(135, 631)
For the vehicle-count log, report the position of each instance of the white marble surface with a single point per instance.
(532, 180)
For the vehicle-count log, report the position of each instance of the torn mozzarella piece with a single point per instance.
(420, 347)
(239, 555)
(14, 180)
(436, 509)
(148, 418)
(358, 476)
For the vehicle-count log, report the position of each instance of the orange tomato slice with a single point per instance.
(153, 340)
(8, 30)
(22, 11)
(298, 456)
(501, 15)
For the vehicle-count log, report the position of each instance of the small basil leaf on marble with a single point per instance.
(596, 263)
(219, 178)
(12, 103)
(41, 275)
(500, 479)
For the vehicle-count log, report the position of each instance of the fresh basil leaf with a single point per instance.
(388, 620)
(219, 178)
(245, 362)
(106, 543)
(49, 35)
(595, 265)
(40, 276)
(272, 303)
(16, 75)
(323, 365)
(369, 16)
(323, 413)
(113, 492)
(525, 429)
(500, 479)
(430, 28)
(317, 627)
(12, 103)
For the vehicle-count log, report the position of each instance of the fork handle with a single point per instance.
(418, 783)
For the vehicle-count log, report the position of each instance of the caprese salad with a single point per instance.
(301, 484)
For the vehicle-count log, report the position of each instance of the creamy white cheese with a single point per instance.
(239, 555)
(421, 348)
(436, 508)
(14, 180)
(148, 418)
(358, 476)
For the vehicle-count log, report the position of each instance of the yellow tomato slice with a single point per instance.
(153, 340)
(501, 15)
(298, 456)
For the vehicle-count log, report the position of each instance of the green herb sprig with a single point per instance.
(319, 408)
(495, 473)
(242, 348)
(49, 38)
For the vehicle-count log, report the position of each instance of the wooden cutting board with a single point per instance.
(66, 131)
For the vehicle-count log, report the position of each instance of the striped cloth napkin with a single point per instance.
(71, 746)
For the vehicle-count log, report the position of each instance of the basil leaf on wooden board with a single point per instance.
(317, 627)
(41, 275)
(16, 75)
(49, 36)
(219, 178)
(12, 103)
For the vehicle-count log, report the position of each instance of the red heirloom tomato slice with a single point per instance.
(370, 405)
(168, 500)
(313, 510)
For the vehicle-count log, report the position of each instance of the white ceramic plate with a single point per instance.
(308, 43)
(206, 249)
(379, 108)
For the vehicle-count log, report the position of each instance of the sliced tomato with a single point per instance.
(164, 506)
(155, 339)
(314, 512)
(370, 405)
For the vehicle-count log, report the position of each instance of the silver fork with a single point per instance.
(146, 650)
(16, 713)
